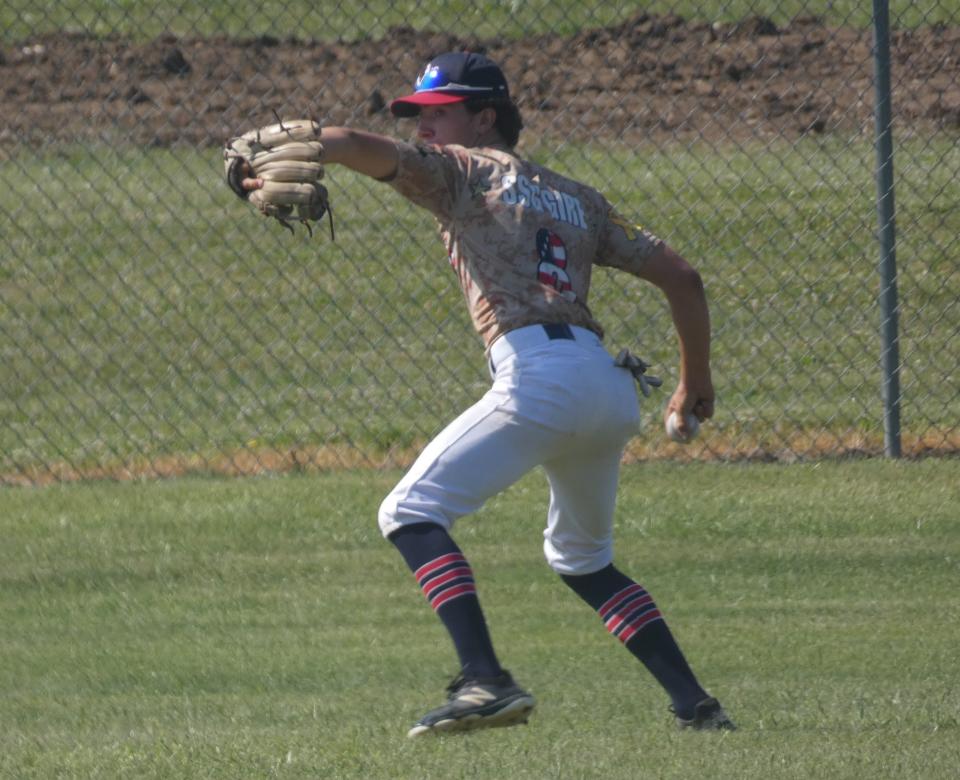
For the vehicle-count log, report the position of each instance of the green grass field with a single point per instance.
(142, 19)
(256, 628)
(131, 327)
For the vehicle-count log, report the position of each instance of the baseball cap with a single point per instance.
(452, 78)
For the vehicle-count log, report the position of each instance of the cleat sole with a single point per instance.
(515, 713)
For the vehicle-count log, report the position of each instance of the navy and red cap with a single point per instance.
(453, 78)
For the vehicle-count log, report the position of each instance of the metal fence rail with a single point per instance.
(150, 326)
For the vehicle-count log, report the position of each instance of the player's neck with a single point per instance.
(490, 139)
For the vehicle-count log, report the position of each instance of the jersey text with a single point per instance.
(519, 190)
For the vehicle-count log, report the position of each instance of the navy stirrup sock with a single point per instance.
(630, 614)
(445, 577)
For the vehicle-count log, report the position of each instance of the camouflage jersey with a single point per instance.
(521, 238)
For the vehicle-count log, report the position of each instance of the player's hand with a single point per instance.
(691, 397)
(250, 183)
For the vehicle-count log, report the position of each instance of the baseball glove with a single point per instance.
(287, 156)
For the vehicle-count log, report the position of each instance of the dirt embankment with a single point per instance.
(649, 76)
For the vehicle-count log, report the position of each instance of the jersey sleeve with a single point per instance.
(625, 245)
(432, 177)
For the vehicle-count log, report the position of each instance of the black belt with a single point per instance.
(558, 330)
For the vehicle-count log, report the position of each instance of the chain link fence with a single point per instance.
(150, 326)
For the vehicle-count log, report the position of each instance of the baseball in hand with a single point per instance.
(693, 428)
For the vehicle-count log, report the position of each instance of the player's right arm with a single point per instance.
(683, 288)
(635, 250)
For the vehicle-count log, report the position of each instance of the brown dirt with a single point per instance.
(799, 445)
(649, 76)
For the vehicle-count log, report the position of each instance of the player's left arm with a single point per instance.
(431, 177)
(367, 153)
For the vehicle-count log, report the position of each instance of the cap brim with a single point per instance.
(410, 105)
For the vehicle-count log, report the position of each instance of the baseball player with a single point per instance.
(522, 241)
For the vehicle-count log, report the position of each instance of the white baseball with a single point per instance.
(693, 428)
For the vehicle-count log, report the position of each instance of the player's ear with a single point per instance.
(487, 119)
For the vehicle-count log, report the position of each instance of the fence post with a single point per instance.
(889, 306)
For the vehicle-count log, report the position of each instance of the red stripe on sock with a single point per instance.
(452, 593)
(430, 588)
(618, 617)
(617, 598)
(638, 624)
(436, 563)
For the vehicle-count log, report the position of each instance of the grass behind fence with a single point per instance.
(143, 19)
(131, 325)
(261, 628)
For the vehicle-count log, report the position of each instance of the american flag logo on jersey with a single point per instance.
(445, 578)
(551, 270)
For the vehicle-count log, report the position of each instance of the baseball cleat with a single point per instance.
(478, 703)
(708, 715)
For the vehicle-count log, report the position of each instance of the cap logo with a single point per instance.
(429, 78)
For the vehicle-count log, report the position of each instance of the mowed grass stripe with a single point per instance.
(251, 628)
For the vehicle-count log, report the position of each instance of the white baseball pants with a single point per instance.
(557, 402)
